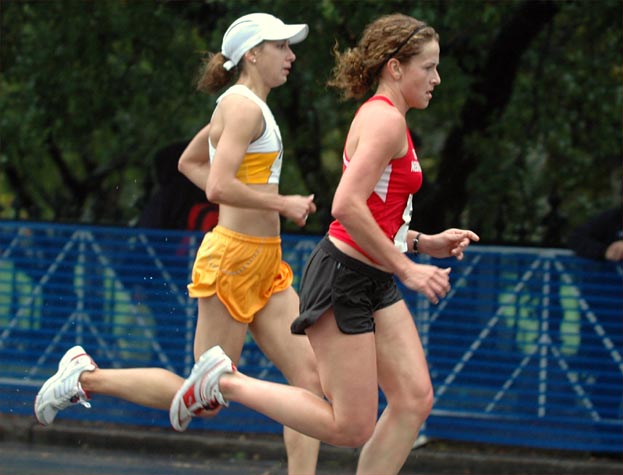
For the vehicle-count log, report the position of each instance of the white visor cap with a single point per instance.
(250, 30)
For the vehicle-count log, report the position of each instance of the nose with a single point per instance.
(291, 55)
(436, 78)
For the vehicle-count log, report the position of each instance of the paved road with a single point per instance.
(80, 448)
(42, 459)
(26, 459)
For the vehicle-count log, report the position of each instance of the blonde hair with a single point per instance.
(398, 36)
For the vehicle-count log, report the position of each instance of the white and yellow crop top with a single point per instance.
(262, 162)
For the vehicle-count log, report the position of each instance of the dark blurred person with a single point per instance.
(601, 237)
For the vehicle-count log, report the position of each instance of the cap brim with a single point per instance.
(293, 33)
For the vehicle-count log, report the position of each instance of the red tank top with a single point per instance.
(390, 202)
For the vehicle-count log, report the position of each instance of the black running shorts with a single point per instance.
(332, 279)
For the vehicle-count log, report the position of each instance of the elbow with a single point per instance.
(214, 193)
(182, 166)
(342, 211)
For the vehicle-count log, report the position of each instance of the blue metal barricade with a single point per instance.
(526, 349)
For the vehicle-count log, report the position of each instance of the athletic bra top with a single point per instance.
(390, 201)
(262, 161)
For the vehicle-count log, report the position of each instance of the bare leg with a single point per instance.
(272, 333)
(347, 368)
(216, 327)
(294, 357)
(404, 378)
(302, 452)
(158, 386)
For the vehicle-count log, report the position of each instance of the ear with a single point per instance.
(395, 68)
(250, 56)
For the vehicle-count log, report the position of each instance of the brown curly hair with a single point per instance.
(397, 36)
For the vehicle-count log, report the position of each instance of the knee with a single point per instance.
(416, 405)
(425, 402)
(355, 433)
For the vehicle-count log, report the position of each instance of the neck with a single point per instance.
(394, 95)
(258, 87)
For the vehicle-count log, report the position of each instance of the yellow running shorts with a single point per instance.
(242, 270)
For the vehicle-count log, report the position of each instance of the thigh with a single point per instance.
(347, 368)
(291, 354)
(401, 362)
(215, 326)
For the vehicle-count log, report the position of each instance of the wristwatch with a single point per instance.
(416, 241)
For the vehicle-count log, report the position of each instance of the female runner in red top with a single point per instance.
(360, 328)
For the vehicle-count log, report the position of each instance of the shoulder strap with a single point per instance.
(381, 98)
(242, 91)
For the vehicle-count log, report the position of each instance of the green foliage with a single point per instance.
(556, 149)
(91, 90)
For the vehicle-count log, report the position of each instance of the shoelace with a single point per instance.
(81, 397)
(215, 398)
(212, 394)
(74, 396)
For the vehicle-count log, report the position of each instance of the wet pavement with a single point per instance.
(82, 448)
(28, 459)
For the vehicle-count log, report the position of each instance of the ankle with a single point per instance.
(87, 379)
(227, 384)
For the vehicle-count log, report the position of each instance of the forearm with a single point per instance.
(194, 163)
(197, 173)
(419, 243)
(237, 194)
(366, 232)
(449, 243)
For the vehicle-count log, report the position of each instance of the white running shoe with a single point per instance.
(200, 390)
(63, 389)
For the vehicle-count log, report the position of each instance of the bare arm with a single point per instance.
(449, 243)
(378, 135)
(242, 123)
(194, 162)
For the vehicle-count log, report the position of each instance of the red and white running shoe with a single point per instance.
(200, 391)
(63, 389)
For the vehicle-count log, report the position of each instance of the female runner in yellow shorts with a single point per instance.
(239, 277)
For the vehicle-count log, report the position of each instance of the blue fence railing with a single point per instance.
(525, 350)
